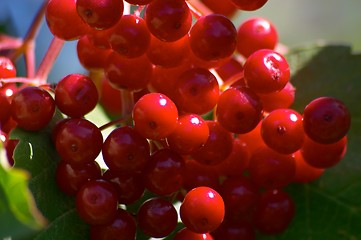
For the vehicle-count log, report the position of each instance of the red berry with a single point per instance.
(305, 172)
(97, 202)
(139, 2)
(32, 108)
(186, 234)
(125, 150)
(255, 34)
(213, 37)
(202, 210)
(155, 116)
(5, 109)
(76, 95)
(63, 20)
(266, 71)
(78, 141)
(281, 99)
(123, 227)
(248, 5)
(7, 68)
(157, 217)
(100, 14)
(110, 98)
(235, 229)
(168, 20)
(224, 7)
(326, 120)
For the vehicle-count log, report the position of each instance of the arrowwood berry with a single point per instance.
(305, 172)
(76, 95)
(168, 20)
(32, 108)
(97, 202)
(224, 7)
(255, 34)
(5, 108)
(282, 130)
(78, 141)
(239, 110)
(217, 148)
(281, 99)
(7, 68)
(110, 98)
(123, 73)
(123, 227)
(247, 5)
(155, 116)
(100, 14)
(164, 171)
(191, 133)
(63, 20)
(70, 178)
(326, 120)
(130, 37)
(270, 169)
(266, 71)
(235, 229)
(274, 212)
(213, 37)
(253, 139)
(157, 217)
(196, 91)
(186, 234)
(125, 150)
(202, 210)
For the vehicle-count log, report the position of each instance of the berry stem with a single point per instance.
(127, 100)
(112, 123)
(49, 59)
(198, 8)
(9, 42)
(29, 81)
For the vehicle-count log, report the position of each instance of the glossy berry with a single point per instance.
(78, 141)
(130, 37)
(270, 169)
(123, 73)
(63, 20)
(323, 155)
(32, 108)
(281, 99)
(202, 210)
(110, 98)
(218, 146)
(155, 116)
(70, 178)
(125, 150)
(168, 20)
(326, 120)
(123, 227)
(239, 110)
(186, 234)
(235, 229)
(129, 186)
(7, 68)
(224, 7)
(76, 95)
(157, 217)
(282, 130)
(5, 108)
(97, 202)
(163, 173)
(305, 172)
(274, 212)
(248, 5)
(213, 37)
(255, 34)
(100, 14)
(266, 71)
(191, 133)
(196, 91)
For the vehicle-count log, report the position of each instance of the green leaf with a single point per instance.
(19, 216)
(36, 154)
(329, 208)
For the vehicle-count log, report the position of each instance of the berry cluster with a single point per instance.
(205, 119)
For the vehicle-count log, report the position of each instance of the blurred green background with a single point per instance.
(305, 21)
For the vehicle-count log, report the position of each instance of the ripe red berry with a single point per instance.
(186, 234)
(255, 34)
(123, 227)
(139, 2)
(281, 99)
(100, 14)
(7, 68)
(157, 217)
(5, 108)
(326, 120)
(235, 229)
(266, 71)
(168, 20)
(78, 141)
(213, 37)
(248, 5)
(304, 171)
(63, 20)
(155, 116)
(202, 210)
(32, 108)
(125, 150)
(224, 7)
(76, 95)
(97, 202)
